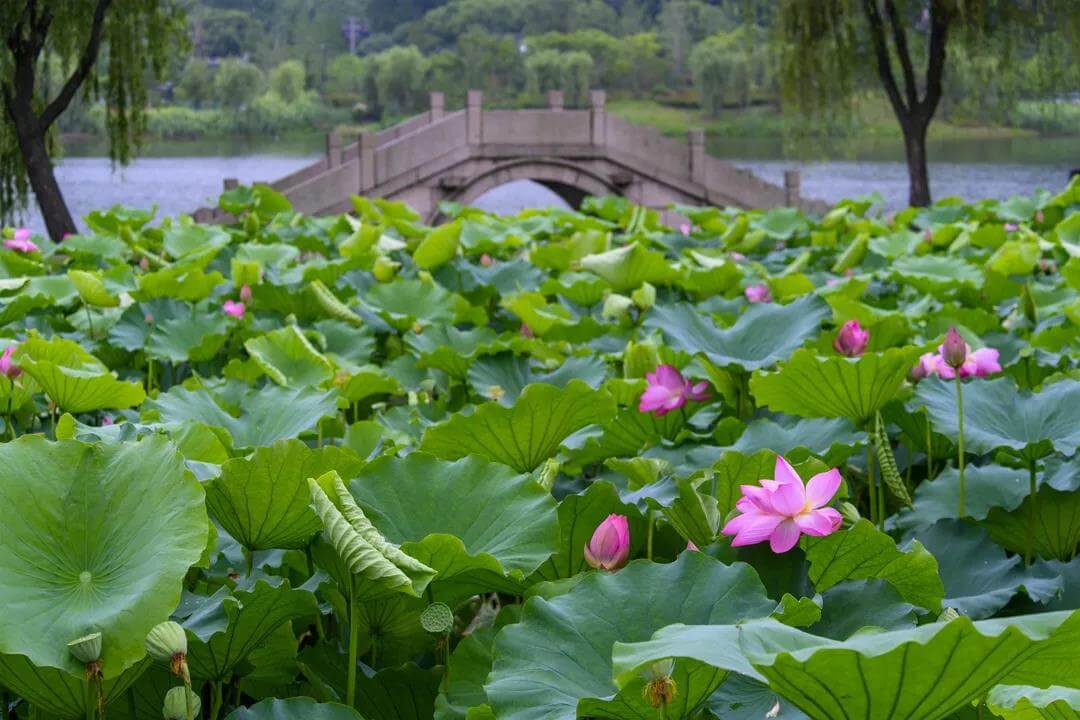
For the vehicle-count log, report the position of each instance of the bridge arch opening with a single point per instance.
(518, 195)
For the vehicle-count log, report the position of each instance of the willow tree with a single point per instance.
(106, 49)
(825, 44)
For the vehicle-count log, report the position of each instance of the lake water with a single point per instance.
(181, 176)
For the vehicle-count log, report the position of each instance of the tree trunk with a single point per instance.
(39, 169)
(915, 151)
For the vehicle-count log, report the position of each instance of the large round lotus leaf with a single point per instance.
(998, 415)
(73, 378)
(403, 302)
(628, 267)
(556, 663)
(854, 388)
(97, 538)
(297, 708)
(764, 335)
(289, 358)
(264, 502)
(985, 487)
(434, 508)
(525, 435)
(927, 672)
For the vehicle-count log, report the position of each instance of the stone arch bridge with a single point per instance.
(458, 156)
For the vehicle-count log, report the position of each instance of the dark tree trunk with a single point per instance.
(913, 112)
(39, 170)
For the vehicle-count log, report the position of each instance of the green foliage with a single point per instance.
(287, 81)
(236, 84)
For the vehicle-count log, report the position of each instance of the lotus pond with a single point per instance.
(556, 465)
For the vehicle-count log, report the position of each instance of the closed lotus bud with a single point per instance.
(144, 263)
(954, 349)
(252, 223)
(852, 339)
(86, 649)
(609, 546)
(644, 297)
(486, 260)
(245, 293)
(385, 269)
(640, 358)
(165, 640)
(849, 513)
(176, 703)
(616, 306)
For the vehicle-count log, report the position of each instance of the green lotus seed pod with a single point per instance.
(948, 614)
(437, 618)
(165, 640)
(175, 707)
(549, 472)
(86, 649)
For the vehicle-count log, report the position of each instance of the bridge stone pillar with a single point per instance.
(366, 162)
(474, 117)
(438, 107)
(230, 184)
(597, 117)
(556, 100)
(333, 149)
(792, 187)
(696, 138)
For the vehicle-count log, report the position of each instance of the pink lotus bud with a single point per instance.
(21, 234)
(66, 236)
(245, 293)
(144, 264)
(149, 318)
(852, 339)
(954, 350)
(685, 229)
(758, 293)
(486, 260)
(526, 331)
(691, 546)
(1011, 227)
(7, 367)
(106, 420)
(610, 544)
(233, 309)
(737, 257)
(928, 235)
(1039, 217)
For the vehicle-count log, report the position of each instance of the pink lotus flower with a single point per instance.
(758, 293)
(245, 293)
(954, 350)
(1039, 217)
(736, 256)
(21, 242)
(526, 331)
(610, 544)
(106, 420)
(685, 229)
(691, 546)
(486, 260)
(852, 339)
(7, 367)
(668, 390)
(1011, 227)
(782, 509)
(234, 309)
(978, 363)
(928, 234)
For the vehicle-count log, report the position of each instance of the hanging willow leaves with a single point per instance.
(890, 474)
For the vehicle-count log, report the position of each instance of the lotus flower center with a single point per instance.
(85, 577)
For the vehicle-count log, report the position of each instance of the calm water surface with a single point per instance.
(178, 177)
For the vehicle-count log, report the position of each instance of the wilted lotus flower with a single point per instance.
(954, 350)
(21, 242)
(758, 293)
(668, 390)
(245, 293)
(852, 339)
(234, 309)
(783, 508)
(610, 544)
(7, 367)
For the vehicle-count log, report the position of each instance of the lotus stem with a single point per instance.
(215, 700)
(187, 693)
(89, 321)
(91, 701)
(1029, 556)
(249, 560)
(649, 535)
(960, 438)
(929, 447)
(354, 641)
(870, 484)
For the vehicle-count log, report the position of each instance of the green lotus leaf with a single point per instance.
(936, 273)
(446, 348)
(195, 337)
(368, 381)
(503, 376)
(224, 628)
(348, 346)
(537, 313)
(556, 663)
(781, 223)
(579, 516)
(985, 487)
(401, 693)
(263, 500)
(1019, 702)
(289, 359)
(185, 241)
(404, 302)
(59, 693)
(255, 420)
(928, 672)
(734, 470)
(92, 289)
(464, 696)
(980, 579)
(183, 281)
(834, 440)
(98, 539)
(1015, 257)
(864, 552)
(439, 247)
(374, 566)
(1053, 524)
(296, 708)
(628, 267)
(853, 388)
(430, 507)
(861, 606)
(999, 415)
(743, 698)
(525, 435)
(73, 378)
(762, 336)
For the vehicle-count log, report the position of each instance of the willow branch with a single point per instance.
(82, 70)
(881, 50)
(902, 52)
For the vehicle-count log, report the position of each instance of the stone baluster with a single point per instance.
(474, 117)
(696, 138)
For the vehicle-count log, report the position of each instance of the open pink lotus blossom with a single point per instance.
(758, 293)
(609, 546)
(7, 367)
(668, 390)
(852, 339)
(21, 242)
(234, 309)
(954, 355)
(782, 509)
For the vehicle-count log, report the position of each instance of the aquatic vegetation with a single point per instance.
(555, 465)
